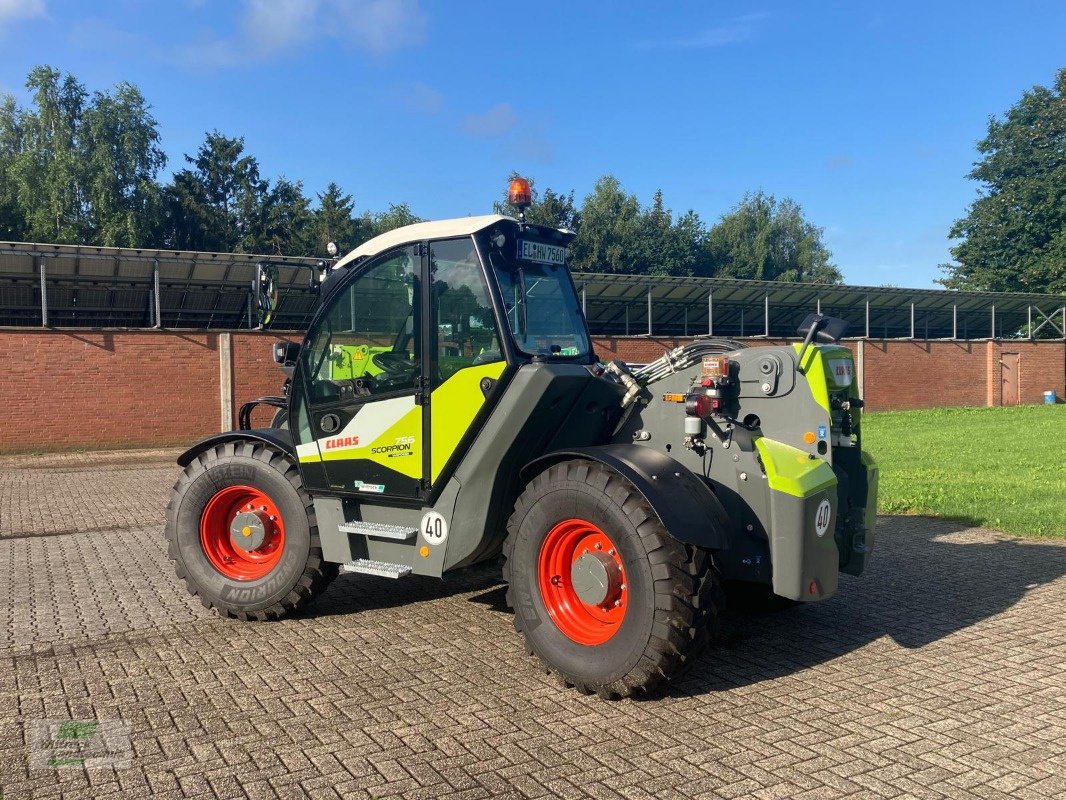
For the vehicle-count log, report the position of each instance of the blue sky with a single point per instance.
(864, 113)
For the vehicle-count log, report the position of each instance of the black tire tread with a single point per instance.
(317, 573)
(688, 593)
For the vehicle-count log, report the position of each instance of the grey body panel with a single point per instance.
(808, 565)
(545, 407)
(717, 496)
(768, 528)
(685, 505)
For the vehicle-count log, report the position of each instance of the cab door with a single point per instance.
(466, 359)
(361, 430)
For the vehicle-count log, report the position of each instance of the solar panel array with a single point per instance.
(97, 287)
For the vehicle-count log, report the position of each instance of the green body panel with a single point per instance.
(792, 471)
(453, 406)
(813, 367)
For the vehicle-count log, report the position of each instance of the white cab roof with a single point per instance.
(421, 231)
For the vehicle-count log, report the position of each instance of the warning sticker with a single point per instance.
(376, 488)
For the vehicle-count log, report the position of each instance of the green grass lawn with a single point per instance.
(1002, 468)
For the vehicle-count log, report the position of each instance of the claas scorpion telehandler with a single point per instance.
(446, 407)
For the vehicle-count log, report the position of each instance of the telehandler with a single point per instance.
(446, 406)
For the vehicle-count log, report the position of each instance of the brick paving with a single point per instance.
(938, 674)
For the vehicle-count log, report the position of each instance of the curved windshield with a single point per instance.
(543, 310)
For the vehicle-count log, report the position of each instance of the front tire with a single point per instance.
(604, 596)
(242, 535)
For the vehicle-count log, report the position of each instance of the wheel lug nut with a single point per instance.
(599, 546)
(617, 603)
(556, 580)
(610, 552)
(622, 588)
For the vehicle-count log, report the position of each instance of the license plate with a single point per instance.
(541, 253)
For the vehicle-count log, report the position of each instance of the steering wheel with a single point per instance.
(396, 371)
(393, 363)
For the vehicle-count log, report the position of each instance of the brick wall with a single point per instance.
(64, 389)
(901, 375)
(254, 372)
(1041, 367)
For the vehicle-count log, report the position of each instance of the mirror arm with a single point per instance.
(816, 326)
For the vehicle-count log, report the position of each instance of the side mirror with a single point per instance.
(265, 289)
(286, 353)
(826, 329)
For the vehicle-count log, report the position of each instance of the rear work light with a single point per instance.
(699, 405)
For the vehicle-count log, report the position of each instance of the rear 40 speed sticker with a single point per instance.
(434, 528)
(821, 517)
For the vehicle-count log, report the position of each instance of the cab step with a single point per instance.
(382, 569)
(379, 530)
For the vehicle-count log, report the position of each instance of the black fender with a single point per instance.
(684, 503)
(281, 439)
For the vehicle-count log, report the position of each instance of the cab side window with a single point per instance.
(464, 325)
(367, 343)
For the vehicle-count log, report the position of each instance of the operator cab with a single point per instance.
(417, 333)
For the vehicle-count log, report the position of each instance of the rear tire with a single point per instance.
(639, 636)
(284, 572)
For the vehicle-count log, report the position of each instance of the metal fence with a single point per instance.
(99, 287)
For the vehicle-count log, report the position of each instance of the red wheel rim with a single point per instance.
(588, 623)
(218, 540)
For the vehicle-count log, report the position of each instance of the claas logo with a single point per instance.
(342, 441)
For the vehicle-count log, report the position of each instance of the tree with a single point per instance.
(79, 170)
(335, 221)
(1014, 235)
(49, 171)
(611, 235)
(397, 216)
(219, 204)
(121, 144)
(289, 222)
(669, 247)
(618, 235)
(12, 221)
(764, 239)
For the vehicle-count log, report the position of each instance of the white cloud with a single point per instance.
(277, 24)
(497, 121)
(738, 29)
(377, 26)
(420, 98)
(12, 10)
(269, 28)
